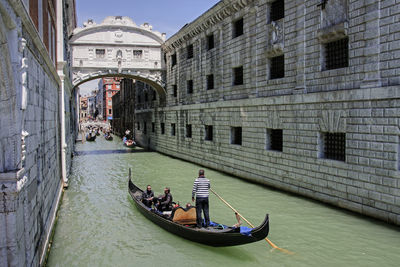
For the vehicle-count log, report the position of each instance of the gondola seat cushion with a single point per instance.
(184, 216)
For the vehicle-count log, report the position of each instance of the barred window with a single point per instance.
(334, 146)
(337, 54)
(210, 82)
(153, 127)
(137, 53)
(175, 90)
(189, 87)
(173, 60)
(238, 75)
(237, 28)
(210, 42)
(173, 130)
(277, 69)
(208, 132)
(162, 126)
(100, 53)
(189, 50)
(188, 130)
(275, 139)
(277, 10)
(236, 135)
(144, 127)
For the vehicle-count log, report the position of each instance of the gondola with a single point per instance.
(216, 235)
(90, 138)
(130, 143)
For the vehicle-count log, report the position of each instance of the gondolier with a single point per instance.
(200, 189)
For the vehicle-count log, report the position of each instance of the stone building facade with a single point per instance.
(298, 95)
(37, 122)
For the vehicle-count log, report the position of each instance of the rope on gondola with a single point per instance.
(249, 223)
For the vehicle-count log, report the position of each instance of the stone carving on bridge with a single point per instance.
(276, 39)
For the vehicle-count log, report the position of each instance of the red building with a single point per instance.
(107, 88)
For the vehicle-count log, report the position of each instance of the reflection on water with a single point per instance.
(99, 225)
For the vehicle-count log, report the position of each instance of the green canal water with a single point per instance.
(98, 223)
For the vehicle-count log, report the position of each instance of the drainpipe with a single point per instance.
(62, 122)
(60, 71)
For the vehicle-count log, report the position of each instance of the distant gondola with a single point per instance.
(108, 137)
(90, 138)
(217, 235)
(130, 143)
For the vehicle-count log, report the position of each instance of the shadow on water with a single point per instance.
(104, 152)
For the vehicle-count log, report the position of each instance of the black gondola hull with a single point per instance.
(208, 237)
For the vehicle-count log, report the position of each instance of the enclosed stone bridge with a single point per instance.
(118, 47)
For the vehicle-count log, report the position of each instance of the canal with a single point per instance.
(98, 224)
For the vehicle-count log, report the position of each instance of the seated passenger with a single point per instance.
(147, 196)
(164, 202)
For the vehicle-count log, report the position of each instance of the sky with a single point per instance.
(164, 15)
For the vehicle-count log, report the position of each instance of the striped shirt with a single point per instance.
(200, 187)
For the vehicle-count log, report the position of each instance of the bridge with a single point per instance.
(117, 47)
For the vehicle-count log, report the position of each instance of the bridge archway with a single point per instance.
(117, 47)
(153, 80)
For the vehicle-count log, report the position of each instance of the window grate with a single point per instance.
(173, 130)
(210, 42)
(238, 75)
(236, 135)
(210, 82)
(335, 146)
(238, 28)
(277, 69)
(137, 53)
(189, 50)
(277, 10)
(209, 132)
(173, 60)
(276, 139)
(189, 131)
(100, 53)
(337, 54)
(162, 126)
(189, 87)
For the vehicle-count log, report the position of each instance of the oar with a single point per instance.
(249, 223)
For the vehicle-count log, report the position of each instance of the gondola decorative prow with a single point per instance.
(130, 174)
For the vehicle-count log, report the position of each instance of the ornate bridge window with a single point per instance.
(100, 53)
(137, 54)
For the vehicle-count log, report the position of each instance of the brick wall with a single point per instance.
(360, 100)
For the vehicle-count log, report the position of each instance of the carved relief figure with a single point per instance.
(276, 33)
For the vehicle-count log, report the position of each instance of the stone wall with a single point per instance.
(30, 138)
(358, 100)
